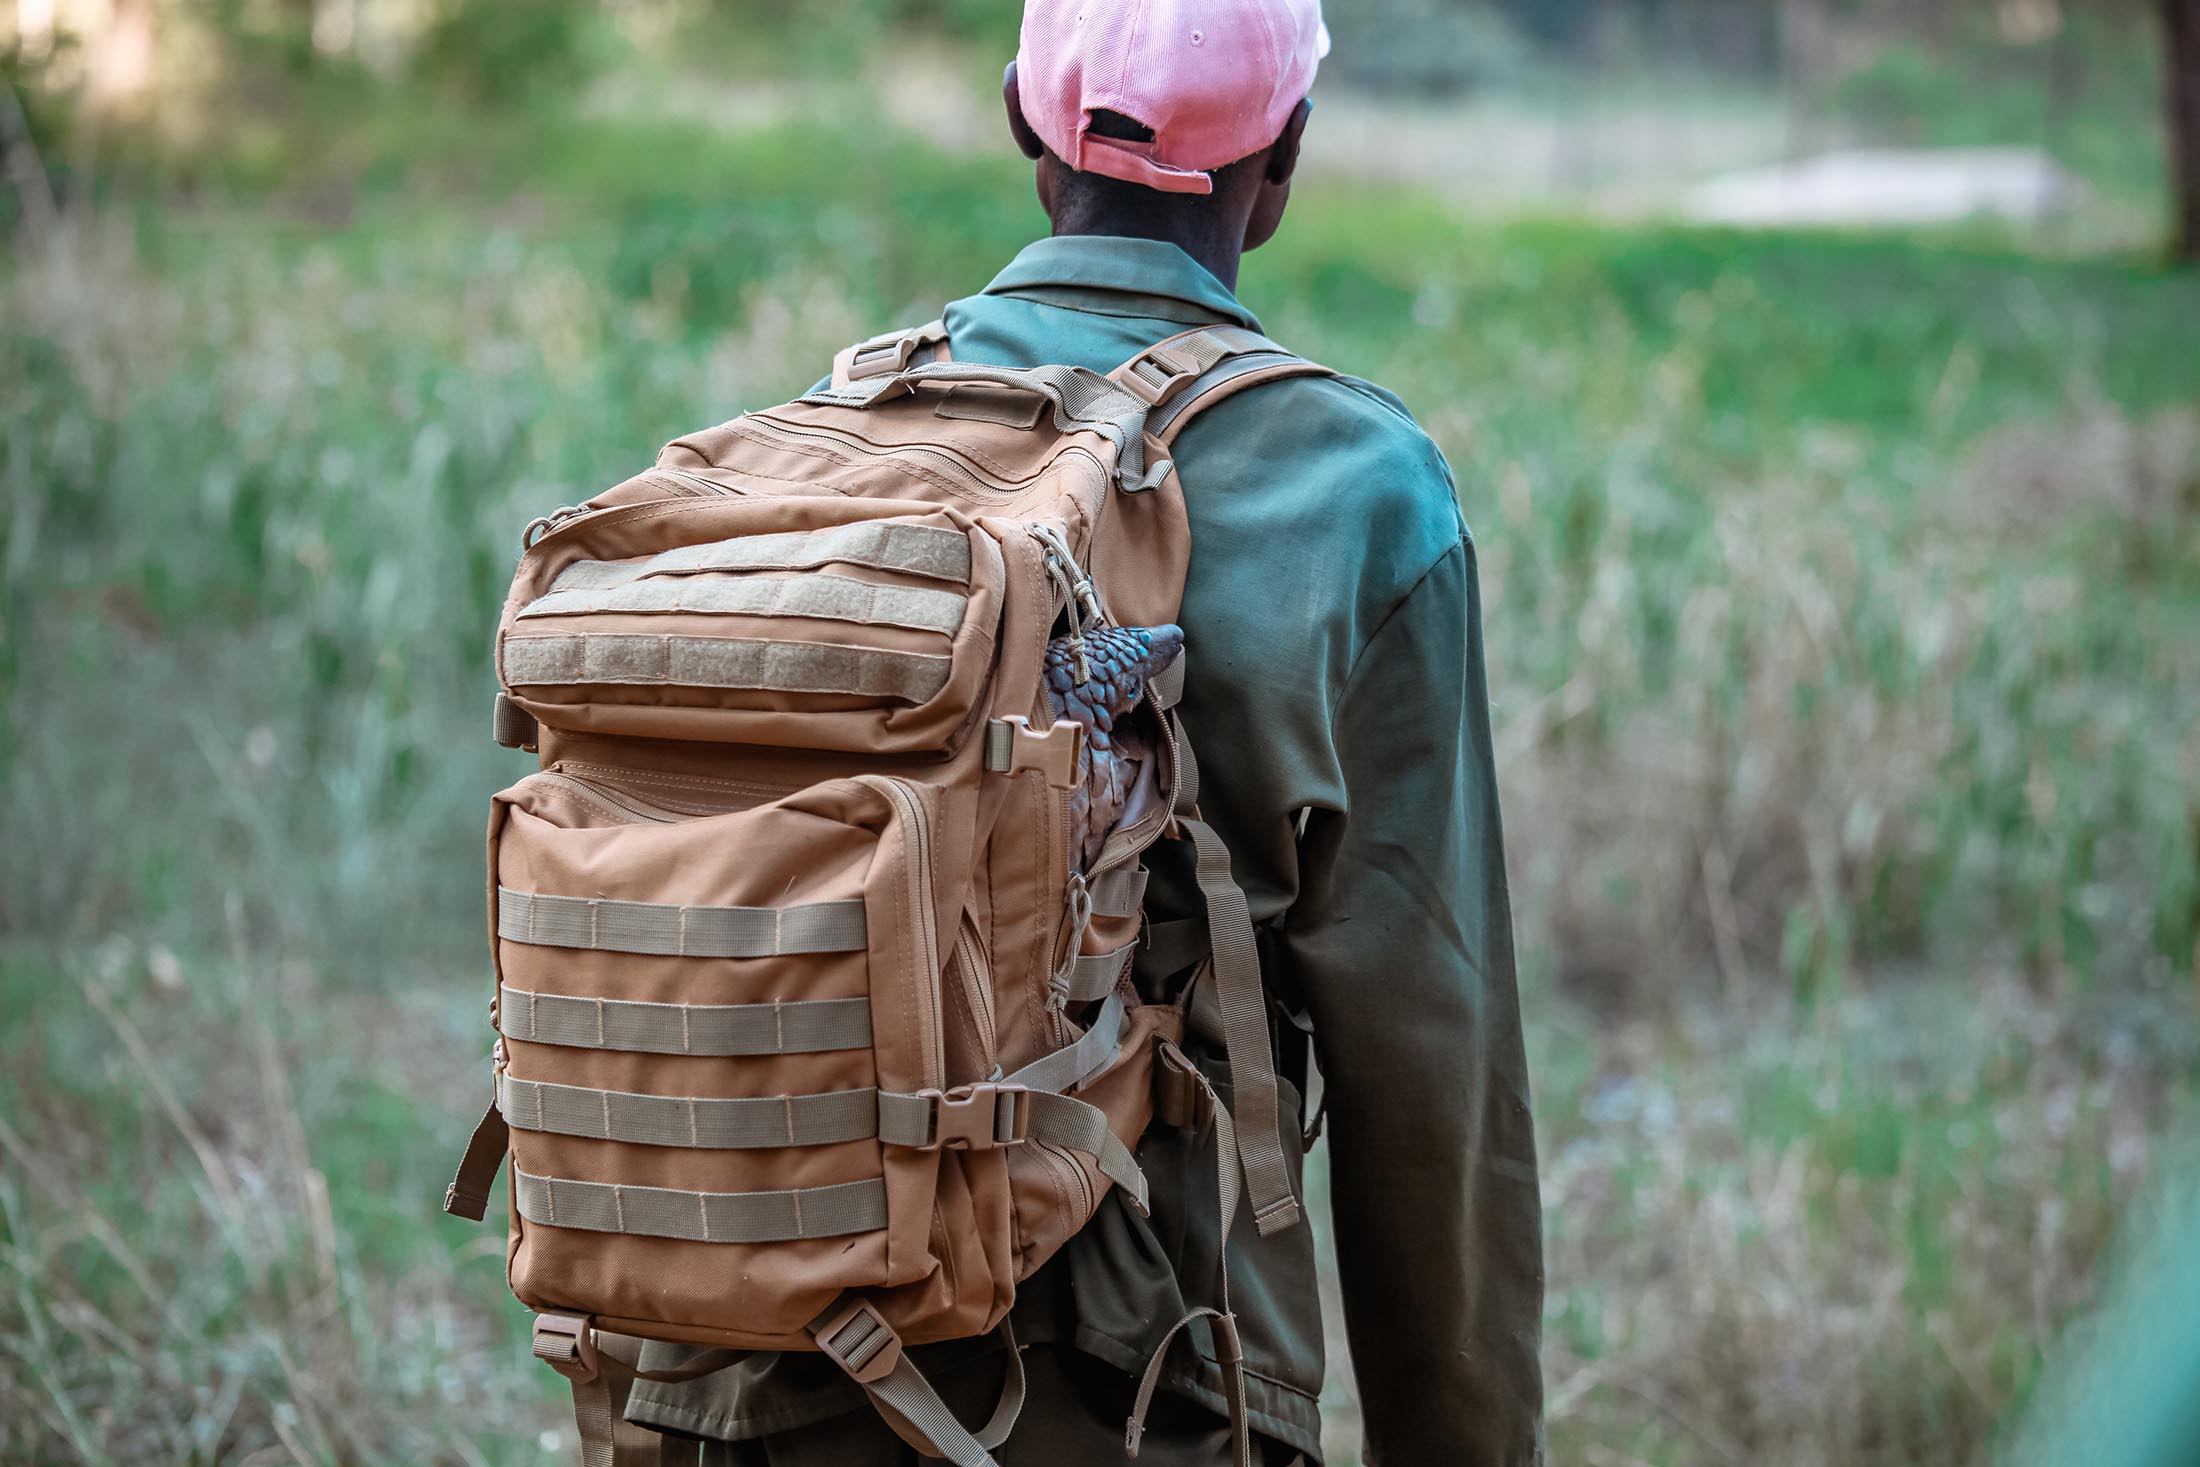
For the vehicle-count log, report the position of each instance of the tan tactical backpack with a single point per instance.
(813, 933)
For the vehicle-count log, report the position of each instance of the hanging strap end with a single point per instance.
(458, 1202)
(567, 1344)
(1278, 1215)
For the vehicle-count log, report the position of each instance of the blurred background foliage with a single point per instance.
(1842, 593)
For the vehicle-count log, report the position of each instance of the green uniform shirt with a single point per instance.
(1336, 704)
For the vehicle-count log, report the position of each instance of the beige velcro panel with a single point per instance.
(800, 1026)
(935, 552)
(684, 1120)
(823, 597)
(642, 659)
(695, 932)
(701, 1217)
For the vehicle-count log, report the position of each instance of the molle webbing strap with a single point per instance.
(641, 659)
(796, 1026)
(934, 552)
(695, 932)
(817, 596)
(685, 1120)
(1119, 893)
(1084, 401)
(702, 1217)
(1094, 975)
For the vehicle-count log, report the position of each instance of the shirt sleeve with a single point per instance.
(1401, 942)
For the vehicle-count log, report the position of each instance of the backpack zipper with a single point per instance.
(1061, 1161)
(696, 484)
(642, 811)
(847, 448)
(977, 980)
(932, 1041)
(707, 796)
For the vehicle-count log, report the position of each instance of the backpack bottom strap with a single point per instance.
(854, 1336)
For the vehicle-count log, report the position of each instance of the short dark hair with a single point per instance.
(1096, 200)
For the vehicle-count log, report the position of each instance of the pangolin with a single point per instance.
(1120, 661)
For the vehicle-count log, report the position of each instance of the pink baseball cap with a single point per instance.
(1215, 80)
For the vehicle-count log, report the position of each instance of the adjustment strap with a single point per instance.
(1078, 1061)
(1172, 364)
(889, 351)
(1063, 1121)
(1229, 1354)
(1240, 1005)
(513, 726)
(468, 1194)
(857, 1338)
(1244, 1013)
(602, 1369)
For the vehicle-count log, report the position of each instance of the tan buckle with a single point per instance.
(1178, 1097)
(860, 1341)
(1053, 750)
(882, 354)
(1175, 372)
(567, 1344)
(976, 1118)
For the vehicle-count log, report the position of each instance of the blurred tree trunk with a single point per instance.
(2181, 63)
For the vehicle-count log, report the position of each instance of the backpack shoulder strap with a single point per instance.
(890, 351)
(1182, 376)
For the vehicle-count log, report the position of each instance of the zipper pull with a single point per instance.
(542, 525)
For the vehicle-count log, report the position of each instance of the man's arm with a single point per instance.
(1402, 944)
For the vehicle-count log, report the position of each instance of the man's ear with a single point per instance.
(1026, 140)
(1283, 154)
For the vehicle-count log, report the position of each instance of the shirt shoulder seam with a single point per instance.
(1359, 658)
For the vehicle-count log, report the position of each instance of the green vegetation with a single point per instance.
(1845, 615)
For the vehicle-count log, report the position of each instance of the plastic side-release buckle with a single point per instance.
(567, 1344)
(976, 1118)
(857, 1338)
(1013, 745)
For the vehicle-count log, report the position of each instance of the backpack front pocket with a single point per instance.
(856, 626)
(699, 1015)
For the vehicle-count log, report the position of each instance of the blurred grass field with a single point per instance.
(1843, 596)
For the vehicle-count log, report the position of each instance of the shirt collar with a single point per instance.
(1122, 265)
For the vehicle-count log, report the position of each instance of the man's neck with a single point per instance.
(1218, 258)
